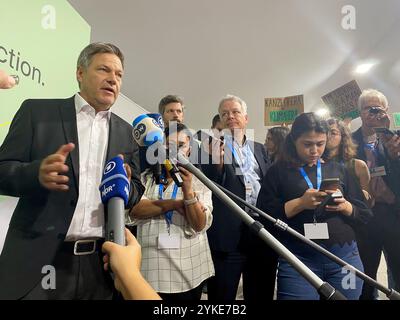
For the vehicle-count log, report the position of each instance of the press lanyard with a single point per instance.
(319, 176)
(310, 185)
(238, 160)
(168, 215)
(372, 146)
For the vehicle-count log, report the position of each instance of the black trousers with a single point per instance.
(382, 232)
(191, 295)
(259, 275)
(228, 269)
(258, 266)
(76, 278)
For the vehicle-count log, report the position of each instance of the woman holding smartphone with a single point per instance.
(290, 191)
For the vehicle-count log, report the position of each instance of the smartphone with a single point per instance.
(385, 131)
(330, 184)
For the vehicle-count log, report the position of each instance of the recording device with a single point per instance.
(384, 131)
(114, 190)
(174, 172)
(375, 110)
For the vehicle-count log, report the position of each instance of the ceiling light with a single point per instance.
(364, 68)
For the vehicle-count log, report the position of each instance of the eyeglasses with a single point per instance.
(235, 113)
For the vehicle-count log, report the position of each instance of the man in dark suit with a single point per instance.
(239, 165)
(52, 159)
(381, 152)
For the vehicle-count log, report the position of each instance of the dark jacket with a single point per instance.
(227, 231)
(392, 167)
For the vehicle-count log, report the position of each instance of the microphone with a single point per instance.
(148, 131)
(114, 189)
(174, 172)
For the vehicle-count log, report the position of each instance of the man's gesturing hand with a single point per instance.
(51, 168)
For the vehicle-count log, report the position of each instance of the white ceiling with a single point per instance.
(205, 49)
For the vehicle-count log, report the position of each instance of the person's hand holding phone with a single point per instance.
(312, 198)
(338, 203)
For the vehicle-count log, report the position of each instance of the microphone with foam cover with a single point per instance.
(114, 189)
(148, 129)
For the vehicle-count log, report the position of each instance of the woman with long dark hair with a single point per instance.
(274, 142)
(290, 191)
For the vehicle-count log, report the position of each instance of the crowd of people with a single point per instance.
(186, 240)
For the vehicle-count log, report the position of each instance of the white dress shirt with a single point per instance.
(88, 218)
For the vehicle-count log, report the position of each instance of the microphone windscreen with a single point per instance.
(115, 183)
(148, 129)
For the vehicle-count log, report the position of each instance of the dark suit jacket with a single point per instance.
(41, 219)
(392, 167)
(227, 230)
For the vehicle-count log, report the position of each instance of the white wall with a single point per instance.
(127, 109)
(205, 49)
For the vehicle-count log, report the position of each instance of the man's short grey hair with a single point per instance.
(371, 93)
(230, 97)
(87, 54)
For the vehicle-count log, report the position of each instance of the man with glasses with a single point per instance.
(381, 153)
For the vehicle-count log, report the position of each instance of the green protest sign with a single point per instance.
(282, 110)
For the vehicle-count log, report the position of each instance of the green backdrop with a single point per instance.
(40, 42)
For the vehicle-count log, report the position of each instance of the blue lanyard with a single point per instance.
(230, 146)
(238, 160)
(373, 147)
(168, 215)
(319, 176)
(370, 146)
